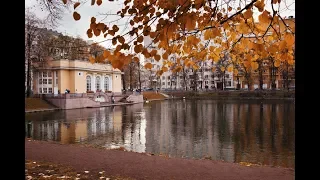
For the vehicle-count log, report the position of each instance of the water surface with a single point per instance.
(260, 132)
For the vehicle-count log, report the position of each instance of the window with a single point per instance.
(44, 74)
(212, 76)
(49, 74)
(40, 90)
(50, 90)
(212, 82)
(44, 81)
(163, 83)
(106, 84)
(206, 76)
(49, 81)
(45, 90)
(152, 60)
(181, 77)
(56, 73)
(169, 83)
(56, 81)
(228, 83)
(98, 83)
(163, 78)
(227, 76)
(88, 83)
(206, 82)
(40, 81)
(168, 77)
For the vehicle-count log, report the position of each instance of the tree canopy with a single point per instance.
(198, 30)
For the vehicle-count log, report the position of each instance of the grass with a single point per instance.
(36, 104)
(51, 171)
(152, 95)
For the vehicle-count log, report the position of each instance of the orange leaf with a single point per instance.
(76, 5)
(99, 2)
(148, 66)
(247, 14)
(76, 16)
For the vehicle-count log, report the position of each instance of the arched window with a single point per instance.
(106, 84)
(88, 83)
(98, 83)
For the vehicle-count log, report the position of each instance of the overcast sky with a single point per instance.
(78, 28)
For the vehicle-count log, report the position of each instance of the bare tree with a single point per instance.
(32, 29)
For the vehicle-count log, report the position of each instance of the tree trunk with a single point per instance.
(29, 66)
(139, 75)
(223, 80)
(123, 81)
(130, 77)
(260, 75)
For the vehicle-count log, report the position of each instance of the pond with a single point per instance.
(254, 131)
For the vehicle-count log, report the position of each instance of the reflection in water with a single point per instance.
(232, 131)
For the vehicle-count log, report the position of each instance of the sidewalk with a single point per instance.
(142, 166)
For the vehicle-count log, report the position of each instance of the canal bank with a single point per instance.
(143, 166)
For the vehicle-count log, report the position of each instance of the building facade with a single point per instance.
(75, 75)
(202, 79)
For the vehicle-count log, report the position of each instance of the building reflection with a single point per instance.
(255, 132)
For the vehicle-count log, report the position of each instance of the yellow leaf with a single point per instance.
(136, 59)
(289, 38)
(99, 2)
(264, 17)
(254, 65)
(165, 56)
(222, 69)
(140, 39)
(260, 5)
(157, 57)
(106, 53)
(283, 45)
(247, 14)
(235, 72)
(164, 69)
(230, 69)
(92, 59)
(148, 66)
(76, 16)
(76, 5)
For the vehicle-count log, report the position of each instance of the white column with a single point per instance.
(93, 82)
(110, 83)
(102, 82)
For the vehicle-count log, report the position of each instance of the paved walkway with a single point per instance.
(141, 166)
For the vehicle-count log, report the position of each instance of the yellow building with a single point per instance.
(78, 76)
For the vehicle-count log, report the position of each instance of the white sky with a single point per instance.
(79, 28)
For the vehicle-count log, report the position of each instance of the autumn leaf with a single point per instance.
(260, 5)
(289, 38)
(76, 16)
(92, 2)
(99, 2)
(136, 59)
(148, 65)
(230, 69)
(247, 14)
(92, 59)
(64, 1)
(157, 57)
(264, 17)
(76, 5)
(106, 53)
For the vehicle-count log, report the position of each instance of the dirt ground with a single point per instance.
(94, 163)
